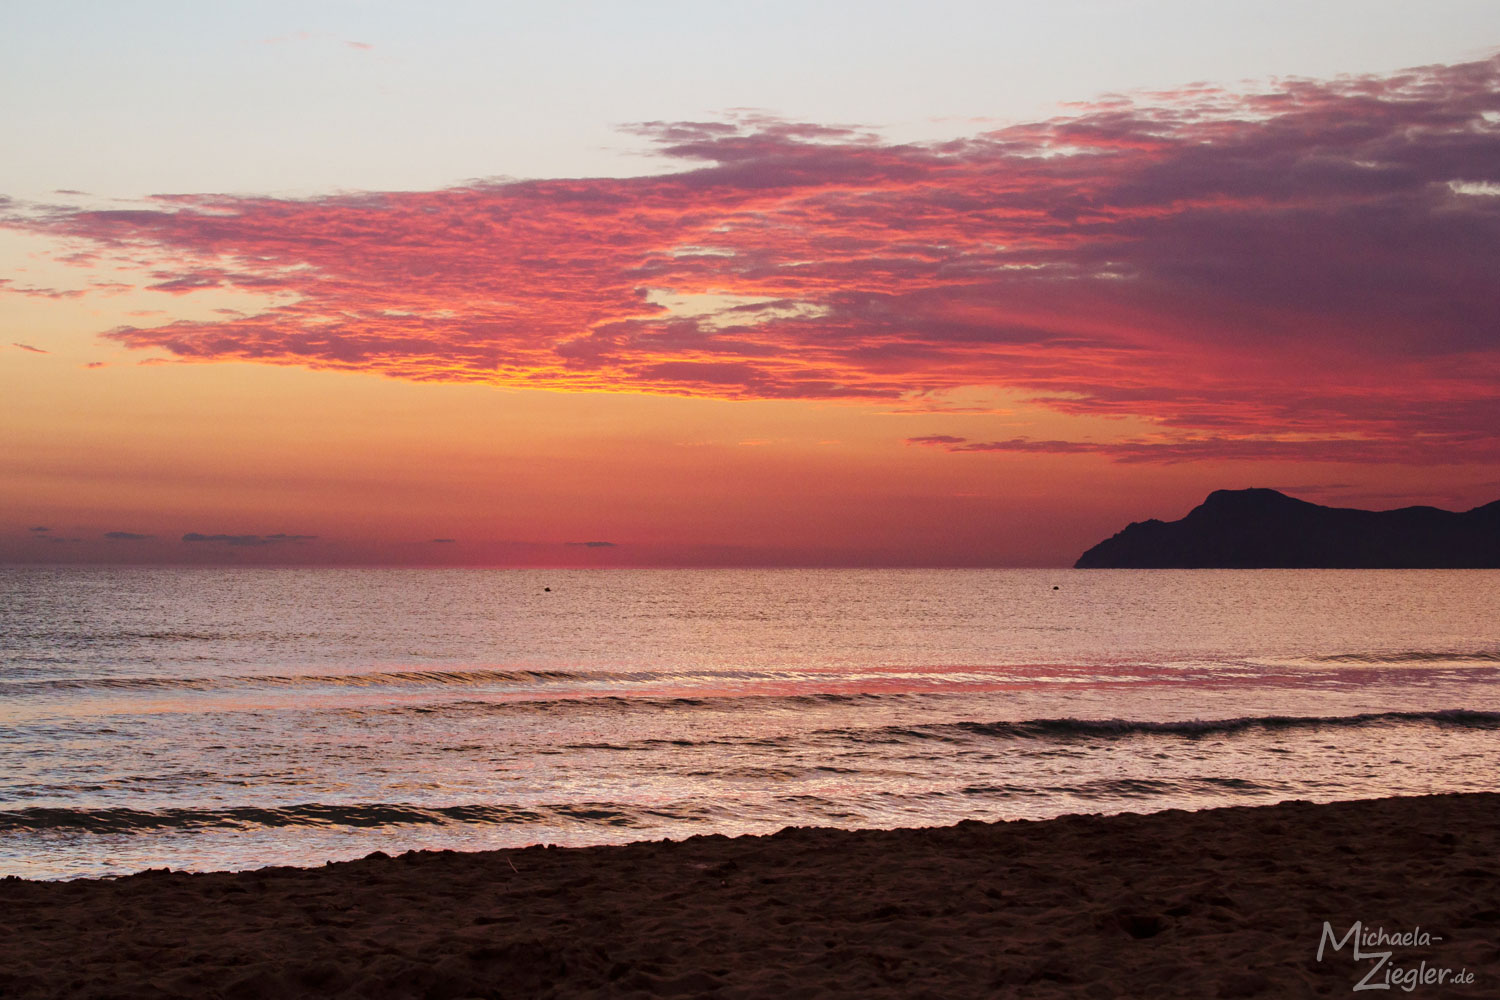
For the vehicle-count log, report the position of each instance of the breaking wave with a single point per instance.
(1122, 728)
(1415, 656)
(317, 814)
(1068, 729)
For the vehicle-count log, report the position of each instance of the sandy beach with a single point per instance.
(1221, 903)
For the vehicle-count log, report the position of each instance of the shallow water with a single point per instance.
(217, 719)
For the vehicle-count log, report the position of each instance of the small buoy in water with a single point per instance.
(549, 589)
(1055, 588)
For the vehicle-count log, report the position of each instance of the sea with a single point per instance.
(222, 719)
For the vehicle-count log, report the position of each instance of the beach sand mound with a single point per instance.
(1221, 903)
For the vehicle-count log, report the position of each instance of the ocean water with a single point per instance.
(228, 719)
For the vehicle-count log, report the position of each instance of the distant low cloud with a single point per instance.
(443, 541)
(247, 540)
(126, 536)
(595, 545)
(39, 528)
(1303, 269)
(28, 347)
(1208, 449)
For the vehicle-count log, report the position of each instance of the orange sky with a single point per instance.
(804, 345)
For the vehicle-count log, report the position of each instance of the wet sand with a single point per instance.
(1221, 903)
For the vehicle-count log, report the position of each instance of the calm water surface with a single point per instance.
(214, 719)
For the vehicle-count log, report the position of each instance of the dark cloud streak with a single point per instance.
(247, 540)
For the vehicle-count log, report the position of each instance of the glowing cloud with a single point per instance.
(1306, 271)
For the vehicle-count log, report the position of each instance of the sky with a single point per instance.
(662, 284)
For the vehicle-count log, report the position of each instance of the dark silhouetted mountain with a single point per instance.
(1255, 529)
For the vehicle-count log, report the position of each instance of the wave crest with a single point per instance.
(1415, 656)
(1120, 728)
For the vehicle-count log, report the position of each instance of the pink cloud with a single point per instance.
(1304, 271)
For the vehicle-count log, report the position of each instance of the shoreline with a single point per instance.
(1225, 902)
